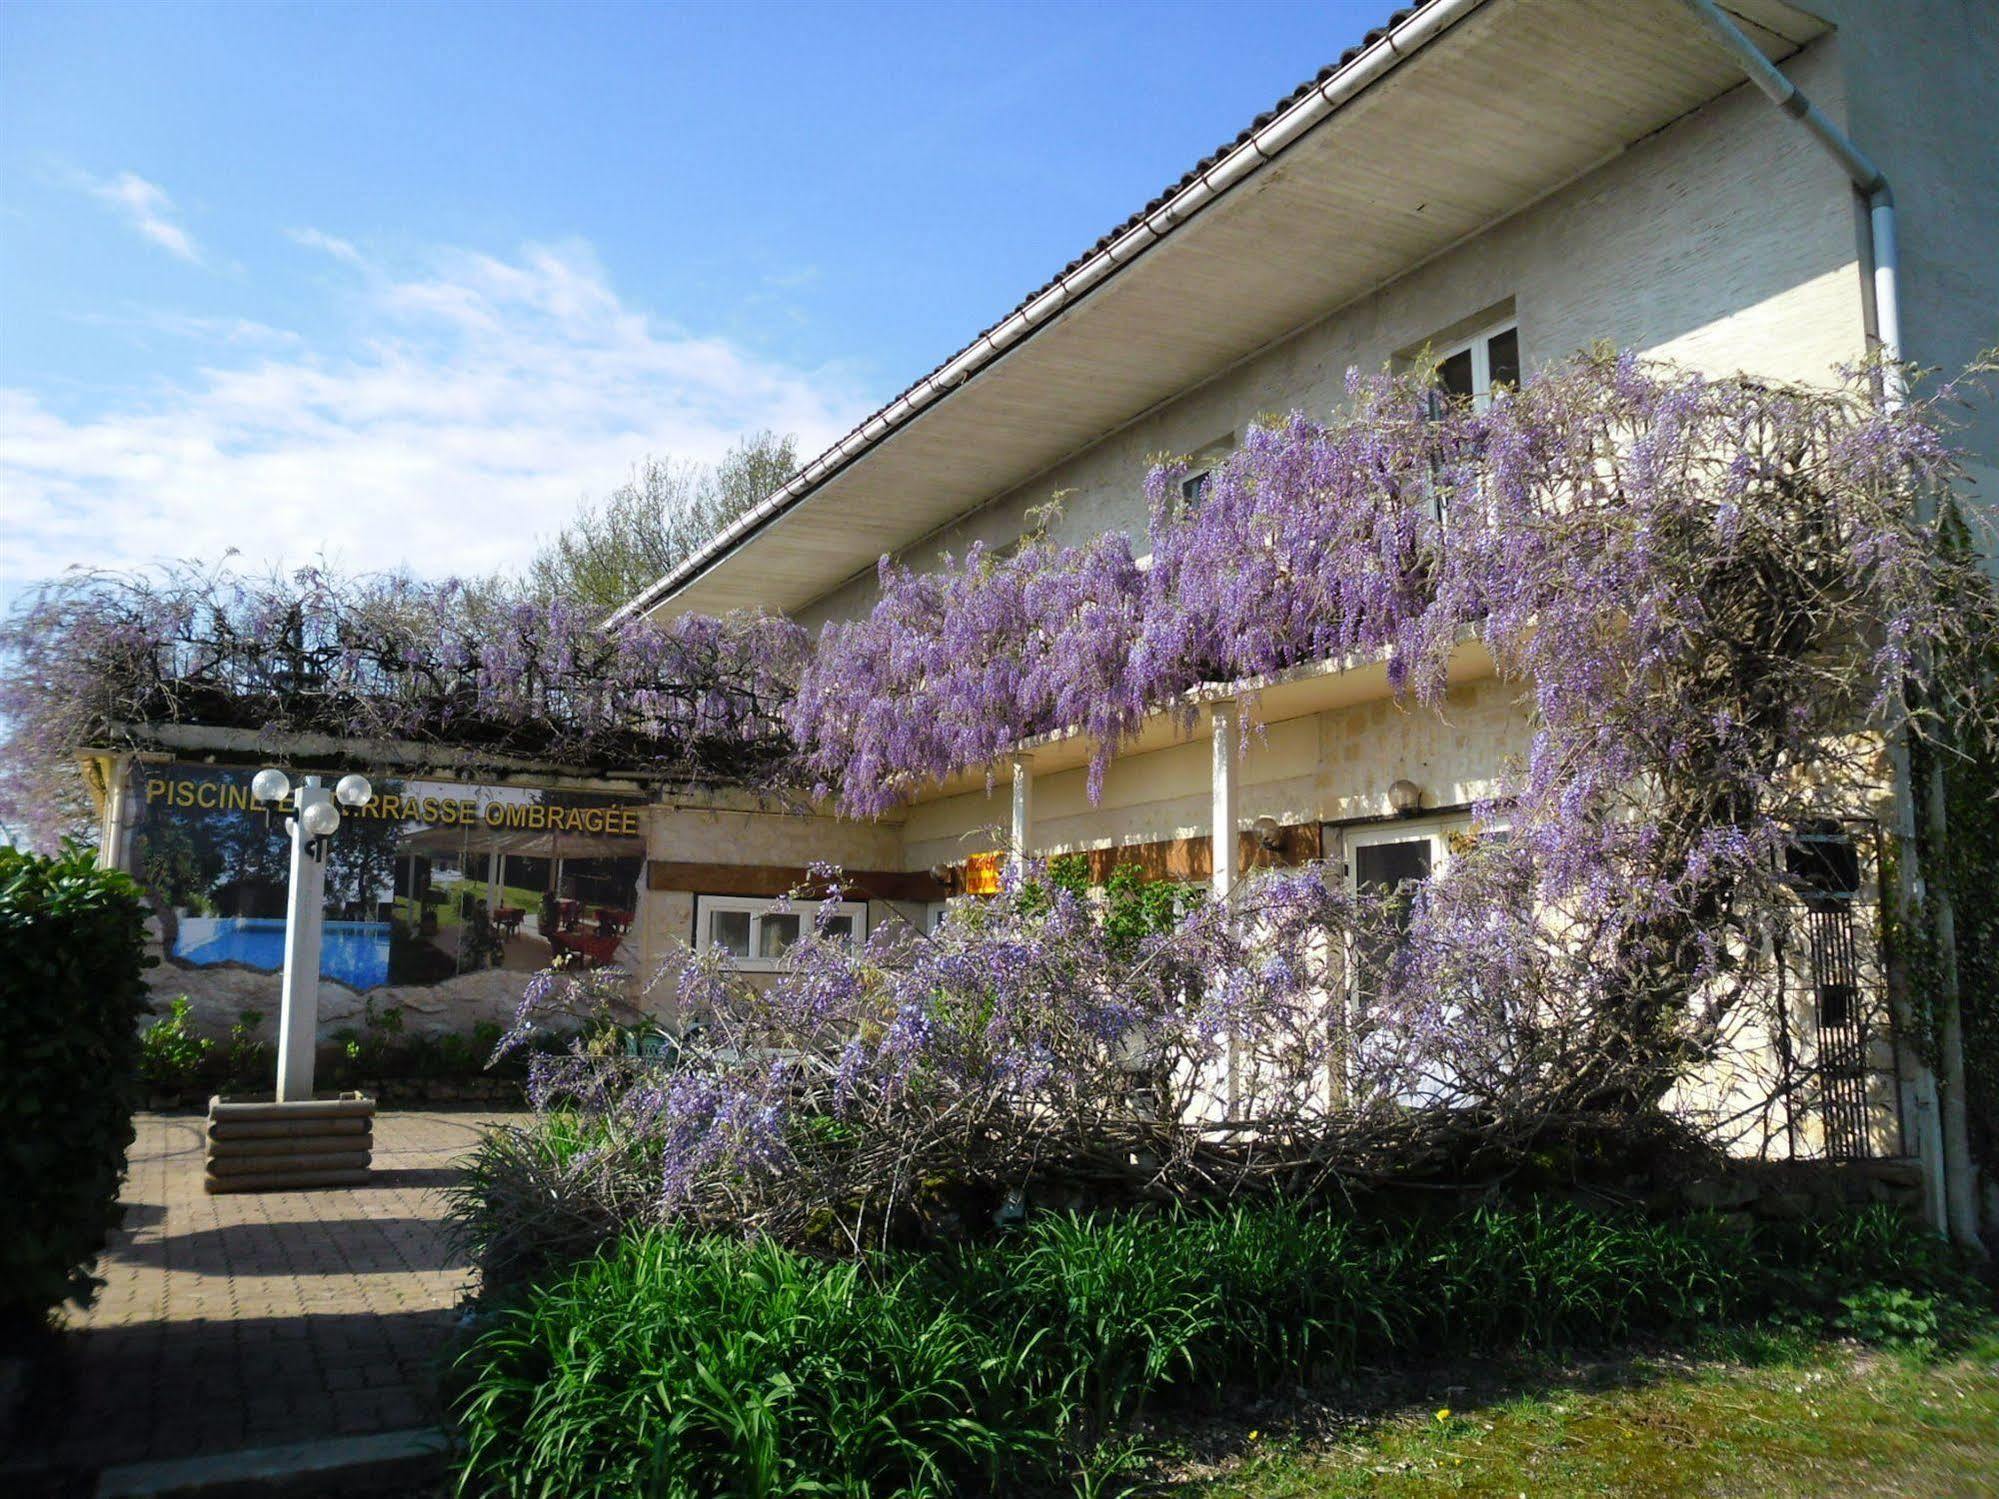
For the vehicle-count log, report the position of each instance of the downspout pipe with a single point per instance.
(1868, 178)
(1953, 1204)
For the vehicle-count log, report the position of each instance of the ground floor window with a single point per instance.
(758, 933)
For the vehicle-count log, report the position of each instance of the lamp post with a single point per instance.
(314, 819)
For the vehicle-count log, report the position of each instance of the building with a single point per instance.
(1500, 182)
(1605, 171)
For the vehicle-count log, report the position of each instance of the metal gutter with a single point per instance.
(1233, 168)
(1867, 177)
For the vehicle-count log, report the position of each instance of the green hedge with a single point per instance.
(674, 1366)
(72, 989)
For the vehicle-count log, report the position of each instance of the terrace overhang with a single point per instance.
(1299, 692)
(313, 751)
(1459, 115)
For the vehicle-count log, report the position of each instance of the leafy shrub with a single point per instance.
(72, 988)
(676, 1365)
(1891, 1316)
(176, 1058)
(686, 1368)
(171, 1053)
(529, 1202)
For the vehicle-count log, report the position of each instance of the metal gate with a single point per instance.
(1841, 1073)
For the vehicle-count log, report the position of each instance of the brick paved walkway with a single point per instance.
(254, 1319)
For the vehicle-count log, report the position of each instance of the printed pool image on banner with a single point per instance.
(430, 880)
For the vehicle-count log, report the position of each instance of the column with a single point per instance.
(1227, 788)
(111, 852)
(1222, 849)
(1023, 812)
(298, 1003)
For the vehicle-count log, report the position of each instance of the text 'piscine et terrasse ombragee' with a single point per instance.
(445, 811)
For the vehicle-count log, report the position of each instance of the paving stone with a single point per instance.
(261, 1318)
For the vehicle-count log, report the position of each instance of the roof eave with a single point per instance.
(1406, 35)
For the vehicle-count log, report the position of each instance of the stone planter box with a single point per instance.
(259, 1145)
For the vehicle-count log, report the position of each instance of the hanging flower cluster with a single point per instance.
(1602, 529)
(1296, 1038)
(101, 659)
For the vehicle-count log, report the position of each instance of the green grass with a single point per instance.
(447, 913)
(1076, 1348)
(1820, 1419)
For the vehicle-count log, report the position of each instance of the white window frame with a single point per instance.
(1437, 831)
(1479, 346)
(1210, 456)
(806, 910)
(1434, 831)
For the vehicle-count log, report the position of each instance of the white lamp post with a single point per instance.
(314, 821)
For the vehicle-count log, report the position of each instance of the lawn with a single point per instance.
(1758, 1418)
(448, 914)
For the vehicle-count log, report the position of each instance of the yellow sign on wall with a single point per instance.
(982, 874)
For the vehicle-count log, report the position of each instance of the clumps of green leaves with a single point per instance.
(684, 1367)
(679, 1365)
(72, 989)
(176, 1058)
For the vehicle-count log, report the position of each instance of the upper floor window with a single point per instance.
(758, 933)
(1472, 370)
(1201, 465)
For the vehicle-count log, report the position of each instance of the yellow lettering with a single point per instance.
(155, 789)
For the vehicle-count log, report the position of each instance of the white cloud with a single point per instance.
(470, 410)
(331, 244)
(148, 209)
(214, 330)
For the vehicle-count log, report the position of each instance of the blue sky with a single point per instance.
(401, 284)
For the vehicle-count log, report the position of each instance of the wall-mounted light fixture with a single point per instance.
(1269, 834)
(1406, 798)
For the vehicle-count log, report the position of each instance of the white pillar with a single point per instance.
(1222, 846)
(1227, 789)
(111, 840)
(298, 1004)
(1023, 811)
(495, 869)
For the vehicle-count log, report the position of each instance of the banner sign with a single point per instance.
(429, 881)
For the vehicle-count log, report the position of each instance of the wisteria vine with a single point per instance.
(106, 660)
(1715, 599)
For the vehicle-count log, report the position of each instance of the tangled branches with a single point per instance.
(1286, 1039)
(105, 659)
